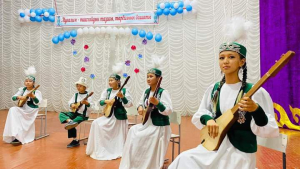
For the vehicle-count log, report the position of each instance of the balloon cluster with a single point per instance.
(149, 35)
(66, 35)
(36, 15)
(113, 31)
(173, 8)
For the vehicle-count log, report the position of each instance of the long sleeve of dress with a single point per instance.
(204, 108)
(19, 93)
(38, 97)
(165, 104)
(263, 98)
(103, 97)
(141, 101)
(71, 101)
(127, 99)
(90, 108)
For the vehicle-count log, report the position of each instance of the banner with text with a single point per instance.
(115, 19)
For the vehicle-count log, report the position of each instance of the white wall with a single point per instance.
(190, 44)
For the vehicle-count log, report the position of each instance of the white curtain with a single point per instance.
(190, 44)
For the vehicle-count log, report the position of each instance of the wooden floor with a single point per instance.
(51, 152)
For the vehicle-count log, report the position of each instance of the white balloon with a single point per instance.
(97, 30)
(85, 30)
(109, 30)
(27, 18)
(21, 20)
(91, 30)
(194, 4)
(32, 14)
(20, 11)
(194, 12)
(115, 31)
(176, 5)
(27, 11)
(79, 31)
(102, 30)
(121, 31)
(186, 3)
(127, 31)
(185, 12)
(46, 14)
(162, 5)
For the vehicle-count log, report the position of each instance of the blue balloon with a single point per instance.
(22, 15)
(73, 33)
(167, 5)
(32, 10)
(32, 19)
(159, 12)
(158, 37)
(134, 31)
(46, 18)
(172, 4)
(180, 10)
(51, 11)
(189, 7)
(44, 10)
(51, 18)
(67, 34)
(142, 33)
(38, 19)
(55, 40)
(166, 11)
(38, 12)
(158, 6)
(181, 4)
(173, 12)
(149, 35)
(61, 37)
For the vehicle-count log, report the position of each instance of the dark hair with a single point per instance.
(244, 67)
(119, 84)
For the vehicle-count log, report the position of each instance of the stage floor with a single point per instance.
(51, 152)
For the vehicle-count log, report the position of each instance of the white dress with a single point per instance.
(146, 145)
(227, 156)
(107, 135)
(20, 121)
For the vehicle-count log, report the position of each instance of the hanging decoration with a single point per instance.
(127, 62)
(36, 15)
(144, 42)
(133, 47)
(174, 8)
(125, 75)
(136, 70)
(92, 76)
(74, 52)
(86, 59)
(73, 41)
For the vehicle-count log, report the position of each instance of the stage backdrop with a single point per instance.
(280, 31)
(190, 44)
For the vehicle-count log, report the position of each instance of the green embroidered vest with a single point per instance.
(119, 111)
(240, 135)
(85, 108)
(157, 118)
(30, 102)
